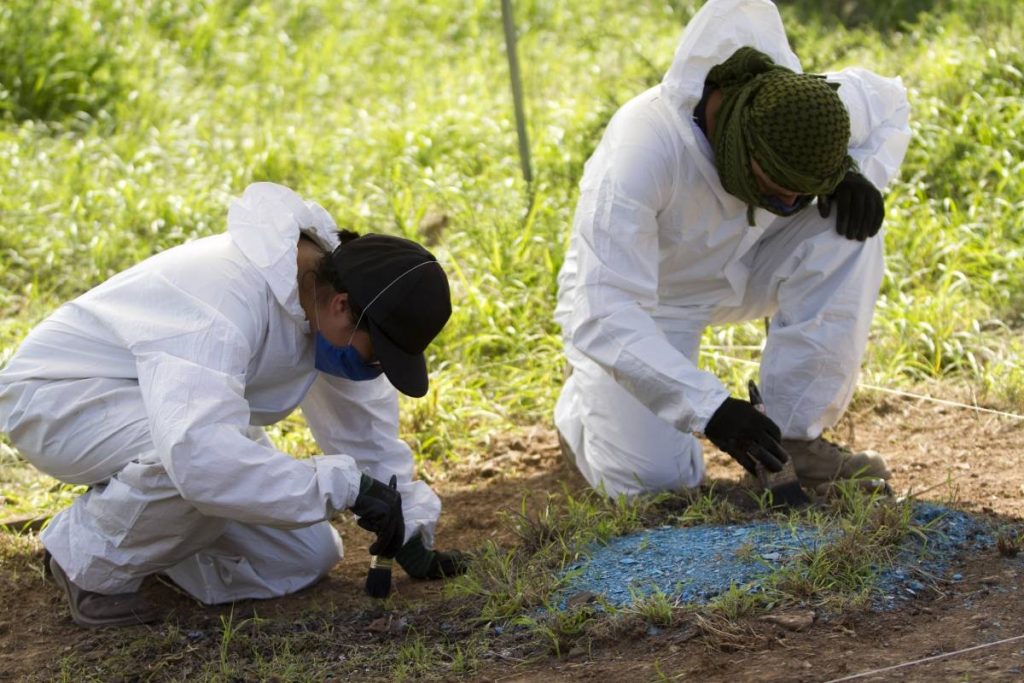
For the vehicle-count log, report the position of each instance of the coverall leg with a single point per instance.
(133, 522)
(820, 289)
(617, 443)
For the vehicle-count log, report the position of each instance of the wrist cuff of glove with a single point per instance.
(415, 558)
(717, 425)
(365, 483)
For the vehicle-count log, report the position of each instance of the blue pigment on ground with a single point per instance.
(695, 564)
(956, 535)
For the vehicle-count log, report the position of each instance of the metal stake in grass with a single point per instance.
(508, 22)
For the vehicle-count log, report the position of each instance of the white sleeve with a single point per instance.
(193, 385)
(360, 419)
(616, 287)
(879, 128)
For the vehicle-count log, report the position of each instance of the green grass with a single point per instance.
(130, 138)
(505, 582)
(125, 127)
(24, 492)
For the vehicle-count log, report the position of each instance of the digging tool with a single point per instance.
(783, 486)
(378, 577)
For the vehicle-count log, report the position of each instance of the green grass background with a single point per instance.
(126, 126)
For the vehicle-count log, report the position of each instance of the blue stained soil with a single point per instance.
(692, 565)
(951, 535)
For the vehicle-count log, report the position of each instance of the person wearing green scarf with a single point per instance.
(695, 210)
(781, 135)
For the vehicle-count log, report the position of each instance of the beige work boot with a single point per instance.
(94, 610)
(820, 462)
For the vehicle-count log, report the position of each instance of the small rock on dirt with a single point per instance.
(388, 624)
(581, 598)
(792, 621)
(577, 651)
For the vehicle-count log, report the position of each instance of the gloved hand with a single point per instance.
(421, 563)
(748, 436)
(379, 509)
(859, 207)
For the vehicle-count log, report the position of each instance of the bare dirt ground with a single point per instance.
(946, 453)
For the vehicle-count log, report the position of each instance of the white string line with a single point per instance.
(926, 659)
(895, 392)
(941, 401)
(872, 387)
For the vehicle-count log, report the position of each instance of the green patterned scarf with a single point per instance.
(794, 125)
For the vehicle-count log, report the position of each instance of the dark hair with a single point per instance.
(327, 274)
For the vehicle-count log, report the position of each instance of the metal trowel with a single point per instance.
(783, 485)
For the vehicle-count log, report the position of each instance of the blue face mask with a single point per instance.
(780, 208)
(341, 361)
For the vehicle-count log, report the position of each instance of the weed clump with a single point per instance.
(1009, 542)
(509, 582)
(56, 61)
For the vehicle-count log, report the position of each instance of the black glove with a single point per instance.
(420, 563)
(859, 207)
(379, 509)
(743, 432)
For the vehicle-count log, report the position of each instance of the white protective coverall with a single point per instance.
(659, 250)
(154, 387)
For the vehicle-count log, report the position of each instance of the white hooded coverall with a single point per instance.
(659, 250)
(154, 387)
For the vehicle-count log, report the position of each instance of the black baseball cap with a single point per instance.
(403, 293)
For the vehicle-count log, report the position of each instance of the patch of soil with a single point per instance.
(938, 451)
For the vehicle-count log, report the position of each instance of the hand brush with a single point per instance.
(378, 578)
(783, 486)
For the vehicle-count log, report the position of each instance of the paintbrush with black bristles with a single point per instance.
(378, 577)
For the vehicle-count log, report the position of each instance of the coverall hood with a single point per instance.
(714, 34)
(265, 225)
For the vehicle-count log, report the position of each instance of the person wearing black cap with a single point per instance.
(390, 295)
(153, 389)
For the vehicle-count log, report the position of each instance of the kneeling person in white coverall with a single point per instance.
(694, 211)
(153, 389)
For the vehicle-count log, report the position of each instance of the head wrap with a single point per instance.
(794, 126)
